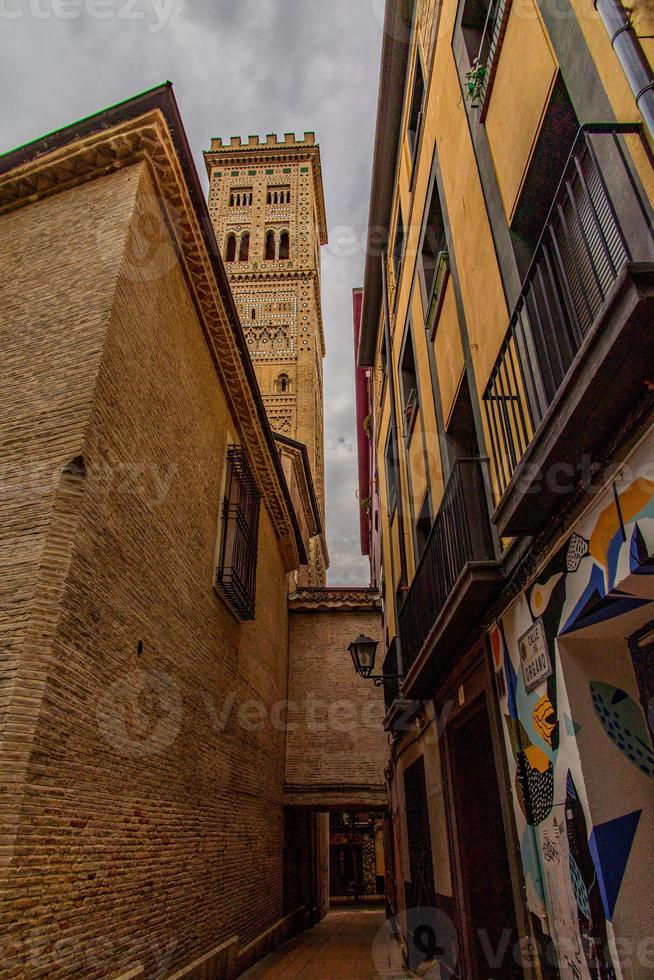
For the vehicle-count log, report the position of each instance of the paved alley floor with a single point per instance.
(346, 945)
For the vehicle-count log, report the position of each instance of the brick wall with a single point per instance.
(161, 831)
(336, 748)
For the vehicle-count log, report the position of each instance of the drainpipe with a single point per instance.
(631, 56)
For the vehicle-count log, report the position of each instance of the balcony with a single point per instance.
(580, 346)
(389, 672)
(399, 711)
(456, 578)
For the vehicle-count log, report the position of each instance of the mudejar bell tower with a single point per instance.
(267, 206)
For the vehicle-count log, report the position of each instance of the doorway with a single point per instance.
(487, 913)
(419, 892)
(356, 858)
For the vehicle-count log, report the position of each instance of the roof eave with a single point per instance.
(392, 79)
(163, 99)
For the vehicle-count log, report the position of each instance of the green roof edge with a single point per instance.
(93, 115)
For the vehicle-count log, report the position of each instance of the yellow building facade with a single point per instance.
(506, 329)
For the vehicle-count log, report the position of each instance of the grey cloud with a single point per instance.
(253, 66)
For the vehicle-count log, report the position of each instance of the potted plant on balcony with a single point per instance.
(475, 79)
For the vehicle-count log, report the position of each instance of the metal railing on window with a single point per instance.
(237, 570)
(390, 675)
(484, 66)
(410, 413)
(578, 258)
(460, 534)
(438, 289)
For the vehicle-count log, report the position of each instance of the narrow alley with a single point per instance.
(350, 945)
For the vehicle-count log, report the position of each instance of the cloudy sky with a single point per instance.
(238, 67)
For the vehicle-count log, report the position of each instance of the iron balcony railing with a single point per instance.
(489, 50)
(460, 534)
(579, 256)
(390, 674)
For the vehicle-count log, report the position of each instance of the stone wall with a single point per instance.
(337, 749)
(144, 771)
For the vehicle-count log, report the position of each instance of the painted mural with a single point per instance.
(573, 659)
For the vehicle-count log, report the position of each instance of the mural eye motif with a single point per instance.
(541, 595)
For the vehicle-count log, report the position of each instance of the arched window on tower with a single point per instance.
(244, 251)
(253, 315)
(284, 246)
(230, 252)
(270, 246)
(283, 385)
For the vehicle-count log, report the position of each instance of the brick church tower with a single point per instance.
(267, 205)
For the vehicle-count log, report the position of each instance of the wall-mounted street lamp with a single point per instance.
(363, 651)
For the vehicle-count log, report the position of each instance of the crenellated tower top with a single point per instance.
(267, 205)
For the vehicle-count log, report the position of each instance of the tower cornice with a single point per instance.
(289, 150)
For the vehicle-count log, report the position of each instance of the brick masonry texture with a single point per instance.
(161, 830)
(285, 336)
(336, 739)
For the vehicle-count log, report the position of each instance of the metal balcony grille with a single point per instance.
(489, 49)
(237, 571)
(461, 533)
(389, 672)
(580, 253)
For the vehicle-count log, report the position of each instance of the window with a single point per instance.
(555, 141)
(392, 472)
(244, 251)
(230, 251)
(240, 197)
(237, 569)
(461, 431)
(253, 314)
(283, 384)
(434, 243)
(284, 246)
(270, 246)
(416, 112)
(423, 527)
(475, 21)
(279, 195)
(409, 385)
(398, 247)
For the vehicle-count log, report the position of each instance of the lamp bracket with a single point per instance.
(380, 678)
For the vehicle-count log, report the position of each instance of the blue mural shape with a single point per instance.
(610, 846)
(623, 721)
